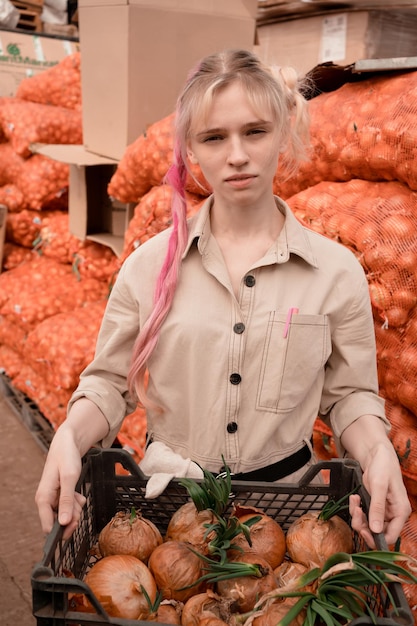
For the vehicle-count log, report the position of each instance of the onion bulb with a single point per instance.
(267, 536)
(288, 573)
(129, 533)
(273, 613)
(117, 583)
(203, 605)
(311, 540)
(211, 620)
(246, 590)
(168, 612)
(175, 567)
(188, 524)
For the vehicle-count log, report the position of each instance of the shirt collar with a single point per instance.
(293, 239)
(199, 227)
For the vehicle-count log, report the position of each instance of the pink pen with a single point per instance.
(291, 311)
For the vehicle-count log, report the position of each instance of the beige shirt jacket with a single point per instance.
(242, 378)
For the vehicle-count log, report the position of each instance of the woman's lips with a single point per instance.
(240, 181)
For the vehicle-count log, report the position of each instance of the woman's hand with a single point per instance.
(382, 478)
(56, 497)
(389, 507)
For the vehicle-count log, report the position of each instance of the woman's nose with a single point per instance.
(237, 153)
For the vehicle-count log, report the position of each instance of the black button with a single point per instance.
(235, 379)
(231, 427)
(239, 328)
(250, 280)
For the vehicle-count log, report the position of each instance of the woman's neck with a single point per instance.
(243, 223)
(244, 238)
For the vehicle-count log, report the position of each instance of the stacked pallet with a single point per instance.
(29, 15)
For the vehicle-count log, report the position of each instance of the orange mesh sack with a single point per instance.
(24, 227)
(408, 545)
(24, 123)
(12, 335)
(44, 183)
(59, 85)
(11, 361)
(95, 260)
(145, 163)
(50, 401)
(55, 239)
(362, 130)
(31, 272)
(378, 222)
(132, 434)
(14, 255)
(152, 215)
(10, 164)
(323, 441)
(397, 363)
(12, 197)
(403, 435)
(44, 287)
(61, 346)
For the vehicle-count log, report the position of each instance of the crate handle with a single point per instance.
(53, 584)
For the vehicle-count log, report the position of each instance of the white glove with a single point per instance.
(162, 465)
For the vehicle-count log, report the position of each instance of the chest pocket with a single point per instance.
(292, 360)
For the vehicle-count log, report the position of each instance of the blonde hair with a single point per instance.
(280, 90)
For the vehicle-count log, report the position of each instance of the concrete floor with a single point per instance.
(21, 538)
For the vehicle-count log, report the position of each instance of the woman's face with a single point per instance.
(236, 147)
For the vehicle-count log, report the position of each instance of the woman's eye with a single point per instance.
(256, 131)
(213, 138)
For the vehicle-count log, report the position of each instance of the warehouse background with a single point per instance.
(85, 140)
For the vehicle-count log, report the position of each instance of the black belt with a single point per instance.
(278, 470)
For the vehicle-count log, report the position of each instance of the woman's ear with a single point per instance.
(191, 157)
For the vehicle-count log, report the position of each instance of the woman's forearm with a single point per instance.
(86, 424)
(362, 437)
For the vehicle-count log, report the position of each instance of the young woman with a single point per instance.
(246, 324)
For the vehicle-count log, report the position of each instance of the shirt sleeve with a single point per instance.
(104, 381)
(351, 379)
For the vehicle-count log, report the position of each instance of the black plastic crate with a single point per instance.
(37, 424)
(108, 489)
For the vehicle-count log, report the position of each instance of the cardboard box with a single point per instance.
(270, 11)
(92, 213)
(136, 56)
(23, 55)
(340, 37)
